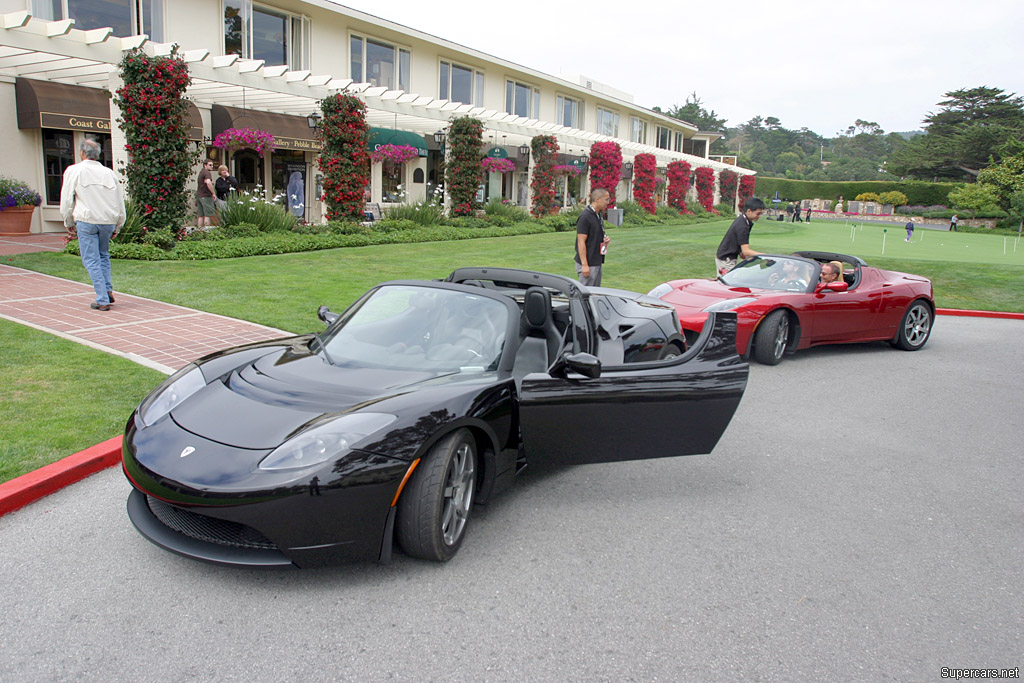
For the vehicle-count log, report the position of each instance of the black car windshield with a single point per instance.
(404, 327)
(771, 272)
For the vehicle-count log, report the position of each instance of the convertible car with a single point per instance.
(418, 402)
(782, 306)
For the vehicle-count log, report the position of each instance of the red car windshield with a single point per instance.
(774, 272)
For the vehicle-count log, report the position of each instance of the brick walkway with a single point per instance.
(161, 336)
(22, 244)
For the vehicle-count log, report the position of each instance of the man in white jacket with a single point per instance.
(92, 199)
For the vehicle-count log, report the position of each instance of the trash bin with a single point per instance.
(614, 217)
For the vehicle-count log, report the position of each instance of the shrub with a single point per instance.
(894, 197)
(678, 183)
(705, 186)
(463, 172)
(560, 223)
(246, 207)
(344, 159)
(421, 213)
(467, 222)
(605, 167)
(134, 225)
(545, 147)
(867, 197)
(395, 224)
(644, 170)
(727, 181)
(161, 238)
(154, 118)
(496, 207)
(917, 192)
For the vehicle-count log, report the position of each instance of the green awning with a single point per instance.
(387, 136)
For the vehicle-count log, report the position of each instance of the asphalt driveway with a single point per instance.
(862, 519)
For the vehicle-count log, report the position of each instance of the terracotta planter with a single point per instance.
(16, 220)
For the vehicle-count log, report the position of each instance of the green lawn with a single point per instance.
(62, 397)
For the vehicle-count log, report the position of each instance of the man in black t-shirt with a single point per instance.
(591, 242)
(736, 243)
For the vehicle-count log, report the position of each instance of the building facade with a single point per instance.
(266, 65)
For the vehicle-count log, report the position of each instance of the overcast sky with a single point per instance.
(814, 63)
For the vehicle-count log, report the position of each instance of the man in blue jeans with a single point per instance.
(92, 199)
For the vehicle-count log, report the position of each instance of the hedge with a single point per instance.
(286, 242)
(921, 193)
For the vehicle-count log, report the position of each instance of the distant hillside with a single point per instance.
(907, 135)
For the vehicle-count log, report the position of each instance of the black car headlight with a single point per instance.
(316, 445)
(172, 392)
(729, 304)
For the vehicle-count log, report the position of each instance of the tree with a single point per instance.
(1007, 176)
(694, 112)
(974, 197)
(964, 136)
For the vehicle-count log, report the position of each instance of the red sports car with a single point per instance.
(782, 306)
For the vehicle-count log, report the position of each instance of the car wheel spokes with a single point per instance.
(458, 494)
(917, 326)
(781, 337)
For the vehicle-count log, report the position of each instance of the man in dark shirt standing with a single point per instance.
(736, 243)
(591, 242)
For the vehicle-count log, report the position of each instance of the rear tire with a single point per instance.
(915, 327)
(771, 338)
(434, 508)
(670, 351)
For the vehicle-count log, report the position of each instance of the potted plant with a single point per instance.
(17, 202)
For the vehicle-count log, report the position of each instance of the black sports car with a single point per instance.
(419, 401)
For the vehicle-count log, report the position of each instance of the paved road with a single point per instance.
(861, 520)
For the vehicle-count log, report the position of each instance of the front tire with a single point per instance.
(915, 327)
(771, 338)
(434, 507)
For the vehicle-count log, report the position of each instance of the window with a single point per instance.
(607, 123)
(664, 138)
(567, 112)
(125, 17)
(679, 142)
(461, 84)
(58, 154)
(522, 100)
(379, 63)
(259, 32)
(637, 130)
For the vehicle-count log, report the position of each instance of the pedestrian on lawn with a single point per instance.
(92, 201)
(591, 241)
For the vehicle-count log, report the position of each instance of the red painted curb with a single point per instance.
(28, 488)
(979, 314)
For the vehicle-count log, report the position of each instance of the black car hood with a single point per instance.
(261, 404)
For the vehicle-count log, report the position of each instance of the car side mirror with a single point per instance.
(324, 313)
(584, 364)
(831, 286)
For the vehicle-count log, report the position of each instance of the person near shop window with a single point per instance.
(205, 193)
(92, 200)
(225, 185)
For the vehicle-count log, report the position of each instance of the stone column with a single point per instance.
(117, 137)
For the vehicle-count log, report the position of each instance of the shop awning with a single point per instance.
(388, 136)
(47, 104)
(290, 132)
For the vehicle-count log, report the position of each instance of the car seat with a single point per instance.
(540, 342)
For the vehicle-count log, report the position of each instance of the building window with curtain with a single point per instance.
(379, 63)
(522, 100)
(637, 130)
(255, 31)
(461, 84)
(568, 112)
(664, 138)
(125, 17)
(607, 123)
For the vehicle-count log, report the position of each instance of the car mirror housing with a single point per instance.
(585, 364)
(325, 314)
